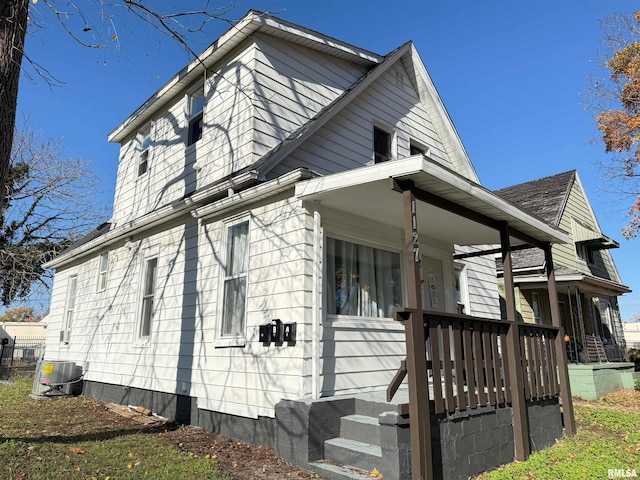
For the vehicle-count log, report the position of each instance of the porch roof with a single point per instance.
(367, 192)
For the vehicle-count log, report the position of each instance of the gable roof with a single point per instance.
(251, 23)
(545, 197)
(255, 21)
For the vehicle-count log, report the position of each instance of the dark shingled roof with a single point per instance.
(545, 198)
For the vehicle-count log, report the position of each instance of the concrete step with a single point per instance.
(361, 428)
(338, 472)
(372, 408)
(344, 451)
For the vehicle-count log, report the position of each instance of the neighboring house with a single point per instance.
(586, 275)
(254, 193)
(632, 334)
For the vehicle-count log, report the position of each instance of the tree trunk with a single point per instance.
(13, 28)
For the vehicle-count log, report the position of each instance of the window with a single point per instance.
(536, 307)
(382, 141)
(194, 115)
(585, 253)
(145, 144)
(363, 281)
(461, 289)
(70, 305)
(148, 293)
(416, 149)
(102, 271)
(235, 280)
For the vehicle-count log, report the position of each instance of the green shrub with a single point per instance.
(636, 384)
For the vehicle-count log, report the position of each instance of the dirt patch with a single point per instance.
(240, 460)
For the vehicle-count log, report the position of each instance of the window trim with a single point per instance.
(236, 339)
(103, 272)
(536, 301)
(463, 282)
(414, 144)
(144, 154)
(379, 245)
(392, 143)
(192, 118)
(143, 297)
(69, 308)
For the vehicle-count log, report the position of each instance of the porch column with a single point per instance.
(518, 406)
(561, 347)
(419, 415)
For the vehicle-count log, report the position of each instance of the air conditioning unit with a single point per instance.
(56, 379)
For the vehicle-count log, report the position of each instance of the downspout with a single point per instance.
(316, 302)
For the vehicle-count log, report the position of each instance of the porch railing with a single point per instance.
(468, 358)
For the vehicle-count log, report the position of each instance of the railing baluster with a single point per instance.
(488, 363)
(446, 361)
(505, 365)
(478, 361)
(458, 365)
(468, 365)
(436, 359)
(496, 365)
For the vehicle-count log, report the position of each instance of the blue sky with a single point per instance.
(512, 75)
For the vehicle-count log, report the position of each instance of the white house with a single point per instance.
(255, 186)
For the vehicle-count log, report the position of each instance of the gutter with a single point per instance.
(151, 220)
(253, 194)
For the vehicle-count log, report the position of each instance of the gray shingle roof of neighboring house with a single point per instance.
(545, 198)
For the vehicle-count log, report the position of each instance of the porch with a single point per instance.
(459, 366)
(470, 404)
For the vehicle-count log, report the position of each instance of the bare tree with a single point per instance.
(49, 204)
(93, 23)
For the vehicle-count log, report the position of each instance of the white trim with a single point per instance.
(101, 285)
(421, 170)
(317, 301)
(148, 254)
(243, 29)
(237, 339)
(149, 221)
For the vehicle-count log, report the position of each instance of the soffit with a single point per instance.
(367, 192)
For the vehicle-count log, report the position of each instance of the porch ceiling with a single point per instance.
(366, 192)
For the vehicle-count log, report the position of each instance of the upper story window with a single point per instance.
(145, 146)
(416, 148)
(363, 281)
(382, 144)
(585, 253)
(148, 294)
(235, 282)
(195, 109)
(103, 268)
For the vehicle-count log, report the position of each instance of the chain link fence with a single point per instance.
(19, 355)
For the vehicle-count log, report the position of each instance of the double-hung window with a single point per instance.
(148, 294)
(363, 281)
(102, 271)
(235, 280)
(70, 305)
(145, 146)
(195, 109)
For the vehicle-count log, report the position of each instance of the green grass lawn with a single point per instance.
(75, 438)
(606, 439)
